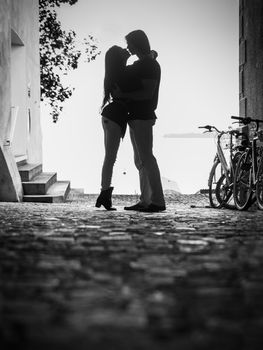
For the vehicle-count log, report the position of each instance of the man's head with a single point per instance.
(138, 43)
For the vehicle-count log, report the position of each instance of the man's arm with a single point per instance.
(145, 93)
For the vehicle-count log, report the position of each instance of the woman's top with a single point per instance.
(117, 110)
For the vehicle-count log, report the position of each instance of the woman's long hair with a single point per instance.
(115, 61)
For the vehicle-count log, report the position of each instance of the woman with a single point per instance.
(114, 116)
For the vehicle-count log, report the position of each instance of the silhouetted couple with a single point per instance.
(131, 97)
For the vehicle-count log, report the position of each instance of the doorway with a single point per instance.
(19, 115)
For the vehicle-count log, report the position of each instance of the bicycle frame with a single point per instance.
(222, 158)
(253, 151)
(220, 181)
(246, 176)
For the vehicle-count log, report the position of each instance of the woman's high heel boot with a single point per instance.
(105, 199)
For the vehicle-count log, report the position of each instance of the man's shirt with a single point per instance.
(145, 69)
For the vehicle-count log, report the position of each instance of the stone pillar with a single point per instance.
(251, 58)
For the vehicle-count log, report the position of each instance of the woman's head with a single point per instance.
(115, 58)
(138, 42)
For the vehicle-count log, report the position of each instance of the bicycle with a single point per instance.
(259, 184)
(221, 177)
(248, 179)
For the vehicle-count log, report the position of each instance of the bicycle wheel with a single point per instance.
(224, 188)
(224, 193)
(259, 185)
(214, 176)
(243, 191)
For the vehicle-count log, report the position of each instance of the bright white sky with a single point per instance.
(197, 42)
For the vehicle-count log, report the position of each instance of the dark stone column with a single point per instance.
(251, 58)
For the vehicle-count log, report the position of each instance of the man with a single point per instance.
(142, 104)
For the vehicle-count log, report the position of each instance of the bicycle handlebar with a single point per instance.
(247, 120)
(205, 127)
(209, 128)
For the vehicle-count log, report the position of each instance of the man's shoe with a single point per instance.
(137, 207)
(153, 208)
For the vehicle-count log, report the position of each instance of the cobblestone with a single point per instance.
(76, 277)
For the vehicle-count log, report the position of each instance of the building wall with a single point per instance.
(24, 21)
(22, 17)
(5, 89)
(19, 28)
(251, 58)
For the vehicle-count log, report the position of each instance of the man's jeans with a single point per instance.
(112, 137)
(141, 133)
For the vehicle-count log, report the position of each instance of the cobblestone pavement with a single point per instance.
(76, 277)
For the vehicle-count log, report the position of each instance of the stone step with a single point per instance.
(29, 171)
(40, 184)
(20, 159)
(57, 193)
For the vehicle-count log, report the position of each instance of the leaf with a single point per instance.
(59, 52)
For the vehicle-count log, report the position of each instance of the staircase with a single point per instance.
(41, 187)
